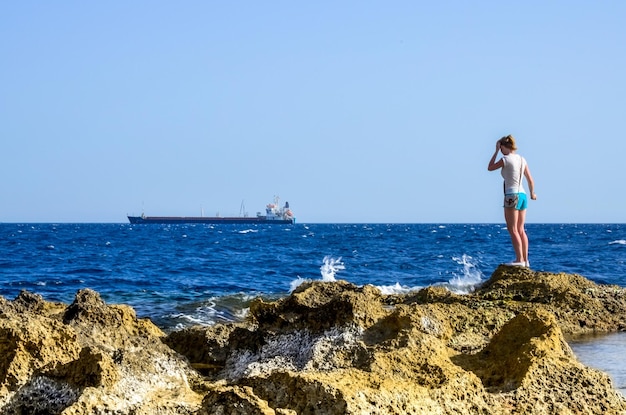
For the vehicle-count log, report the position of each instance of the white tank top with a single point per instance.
(513, 172)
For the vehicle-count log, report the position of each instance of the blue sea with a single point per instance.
(182, 275)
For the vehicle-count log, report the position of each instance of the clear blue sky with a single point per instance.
(353, 111)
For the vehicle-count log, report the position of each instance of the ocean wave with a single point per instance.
(213, 310)
(470, 277)
(161, 273)
(331, 267)
(248, 231)
(397, 289)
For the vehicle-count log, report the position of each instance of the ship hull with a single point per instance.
(203, 219)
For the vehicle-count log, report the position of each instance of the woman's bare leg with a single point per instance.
(511, 217)
(521, 222)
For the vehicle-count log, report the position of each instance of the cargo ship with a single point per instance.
(273, 214)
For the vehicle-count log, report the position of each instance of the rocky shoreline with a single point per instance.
(328, 348)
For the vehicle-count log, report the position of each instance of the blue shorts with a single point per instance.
(522, 201)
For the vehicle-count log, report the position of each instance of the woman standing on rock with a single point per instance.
(513, 168)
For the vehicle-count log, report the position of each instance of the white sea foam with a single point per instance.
(618, 242)
(248, 231)
(296, 283)
(469, 279)
(214, 310)
(187, 319)
(462, 283)
(397, 289)
(242, 313)
(331, 267)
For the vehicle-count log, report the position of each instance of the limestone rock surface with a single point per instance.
(88, 358)
(328, 348)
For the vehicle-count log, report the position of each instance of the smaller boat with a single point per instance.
(273, 214)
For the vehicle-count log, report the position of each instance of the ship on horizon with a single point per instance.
(273, 214)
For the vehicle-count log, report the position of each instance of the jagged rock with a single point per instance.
(92, 369)
(88, 358)
(331, 348)
(29, 344)
(327, 306)
(580, 305)
(339, 349)
(529, 362)
(234, 401)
